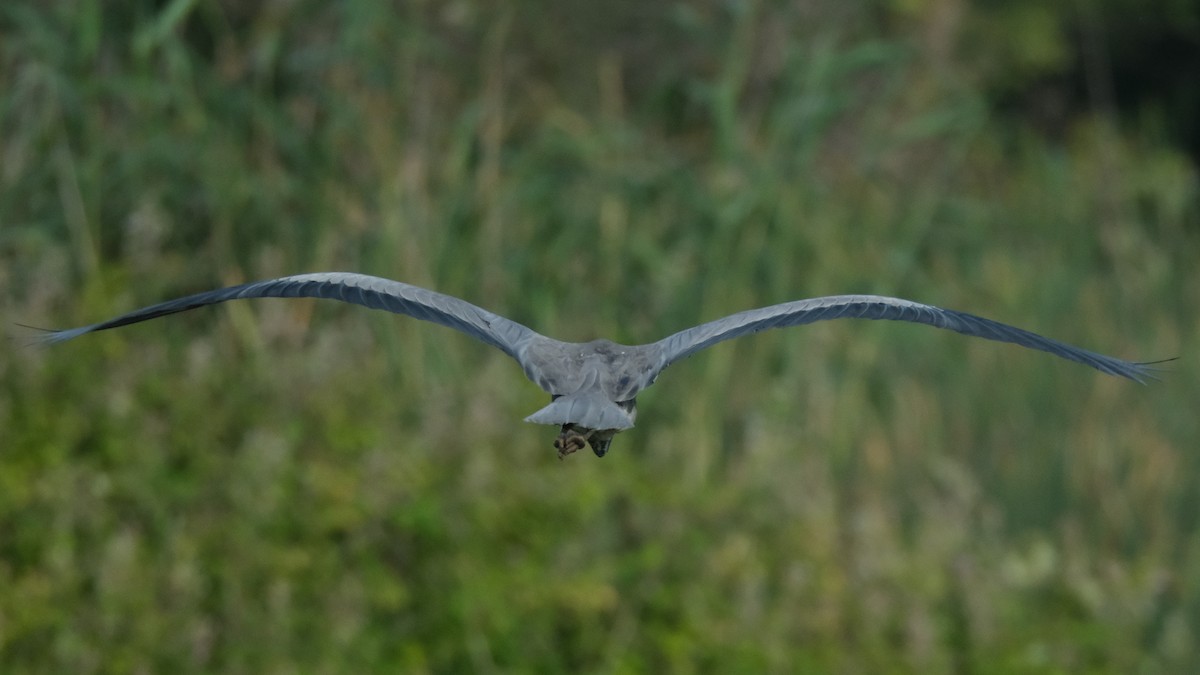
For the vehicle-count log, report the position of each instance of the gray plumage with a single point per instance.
(594, 385)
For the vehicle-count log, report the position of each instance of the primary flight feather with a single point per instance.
(594, 385)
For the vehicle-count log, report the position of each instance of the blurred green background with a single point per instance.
(290, 486)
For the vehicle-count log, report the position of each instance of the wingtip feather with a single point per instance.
(50, 336)
(1145, 370)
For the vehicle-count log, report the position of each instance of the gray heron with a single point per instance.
(593, 386)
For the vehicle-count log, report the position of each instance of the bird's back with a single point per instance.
(603, 366)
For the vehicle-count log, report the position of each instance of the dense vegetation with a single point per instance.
(289, 486)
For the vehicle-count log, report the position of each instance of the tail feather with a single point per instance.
(591, 411)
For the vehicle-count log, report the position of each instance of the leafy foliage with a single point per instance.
(288, 486)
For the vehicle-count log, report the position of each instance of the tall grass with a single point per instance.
(289, 486)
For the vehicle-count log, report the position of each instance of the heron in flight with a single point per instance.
(593, 386)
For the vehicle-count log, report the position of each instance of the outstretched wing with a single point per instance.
(692, 340)
(360, 289)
